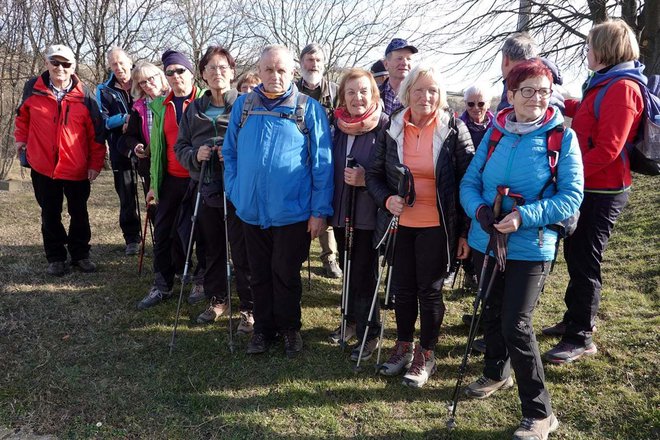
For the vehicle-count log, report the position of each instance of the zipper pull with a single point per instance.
(540, 237)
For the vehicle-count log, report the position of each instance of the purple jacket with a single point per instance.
(363, 149)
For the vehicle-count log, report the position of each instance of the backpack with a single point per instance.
(554, 137)
(644, 152)
(298, 116)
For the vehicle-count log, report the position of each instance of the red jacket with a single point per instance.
(63, 140)
(601, 141)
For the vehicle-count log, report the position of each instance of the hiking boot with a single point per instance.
(293, 343)
(331, 269)
(85, 265)
(450, 279)
(154, 296)
(257, 344)
(559, 329)
(370, 346)
(246, 325)
(197, 294)
(565, 352)
(467, 320)
(56, 268)
(479, 346)
(401, 357)
(536, 429)
(470, 282)
(484, 387)
(349, 333)
(422, 367)
(215, 310)
(132, 248)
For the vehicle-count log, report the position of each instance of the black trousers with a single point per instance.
(212, 233)
(169, 251)
(419, 268)
(50, 195)
(129, 222)
(276, 255)
(508, 331)
(583, 252)
(362, 282)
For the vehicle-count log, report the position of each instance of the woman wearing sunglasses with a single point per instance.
(148, 83)
(477, 115)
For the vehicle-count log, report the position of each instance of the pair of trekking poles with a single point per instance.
(217, 143)
(406, 191)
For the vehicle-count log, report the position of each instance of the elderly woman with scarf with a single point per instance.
(358, 120)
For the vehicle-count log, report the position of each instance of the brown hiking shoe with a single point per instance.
(349, 333)
(484, 387)
(214, 311)
(293, 343)
(85, 265)
(536, 429)
(246, 325)
(57, 268)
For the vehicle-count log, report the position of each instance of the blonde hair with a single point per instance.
(143, 70)
(356, 73)
(417, 72)
(613, 42)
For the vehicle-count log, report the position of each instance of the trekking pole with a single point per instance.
(348, 251)
(480, 300)
(184, 278)
(458, 269)
(228, 265)
(151, 223)
(147, 220)
(134, 181)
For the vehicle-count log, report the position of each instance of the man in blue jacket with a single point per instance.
(278, 174)
(115, 101)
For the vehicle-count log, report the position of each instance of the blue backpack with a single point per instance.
(644, 152)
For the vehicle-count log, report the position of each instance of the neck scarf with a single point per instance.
(522, 128)
(356, 126)
(272, 100)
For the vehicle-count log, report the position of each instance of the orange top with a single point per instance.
(418, 156)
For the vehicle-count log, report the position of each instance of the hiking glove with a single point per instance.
(486, 218)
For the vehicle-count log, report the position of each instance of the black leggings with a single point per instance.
(420, 265)
(508, 332)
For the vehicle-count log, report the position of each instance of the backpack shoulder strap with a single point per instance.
(554, 139)
(494, 139)
(601, 94)
(299, 112)
(248, 105)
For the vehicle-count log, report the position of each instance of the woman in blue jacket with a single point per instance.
(520, 162)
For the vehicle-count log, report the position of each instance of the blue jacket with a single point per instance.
(521, 163)
(269, 174)
(115, 105)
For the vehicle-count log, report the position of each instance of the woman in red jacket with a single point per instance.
(612, 53)
(59, 128)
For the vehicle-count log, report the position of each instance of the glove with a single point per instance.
(486, 218)
(497, 244)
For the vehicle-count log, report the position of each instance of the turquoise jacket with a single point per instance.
(521, 163)
(272, 176)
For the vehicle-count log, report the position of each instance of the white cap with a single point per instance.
(62, 51)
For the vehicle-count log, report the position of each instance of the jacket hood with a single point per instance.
(43, 84)
(553, 118)
(557, 78)
(110, 81)
(629, 69)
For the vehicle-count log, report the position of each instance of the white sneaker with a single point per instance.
(536, 429)
(401, 357)
(422, 367)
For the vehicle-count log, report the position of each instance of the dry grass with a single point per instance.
(80, 361)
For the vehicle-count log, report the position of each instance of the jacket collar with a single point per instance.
(440, 134)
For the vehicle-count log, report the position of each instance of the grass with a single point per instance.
(79, 361)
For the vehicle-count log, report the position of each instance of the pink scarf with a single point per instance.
(356, 126)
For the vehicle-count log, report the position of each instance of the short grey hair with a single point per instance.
(278, 48)
(520, 47)
(311, 49)
(114, 49)
(144, 69)
(479, 90)
(417, 72)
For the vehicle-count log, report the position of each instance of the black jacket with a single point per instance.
(453, 158)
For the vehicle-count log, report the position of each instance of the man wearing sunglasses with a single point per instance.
(59, 128)
(115, 101)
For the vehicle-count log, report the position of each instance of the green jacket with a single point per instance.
(158, 145)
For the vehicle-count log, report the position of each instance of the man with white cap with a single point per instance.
(59, 129)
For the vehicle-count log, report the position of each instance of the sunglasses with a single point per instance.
(478, 104)
(56, 63)
(178, 71)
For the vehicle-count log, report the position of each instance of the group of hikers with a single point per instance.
(377, 167)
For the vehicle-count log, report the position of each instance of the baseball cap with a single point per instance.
(398, 44)
(62, 51)
(378, 69)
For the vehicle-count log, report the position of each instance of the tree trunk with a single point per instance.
(598, 9)
(650, 37)
(524, 14)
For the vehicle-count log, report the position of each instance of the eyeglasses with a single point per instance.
(479, 104)
(56, 63)
(222, 68)
(585, 50)
(528, 92)
(151, 79)
(178, 71)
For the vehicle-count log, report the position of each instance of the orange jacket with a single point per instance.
(64, 140)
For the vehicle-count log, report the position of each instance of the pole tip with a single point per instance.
(451, 424)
